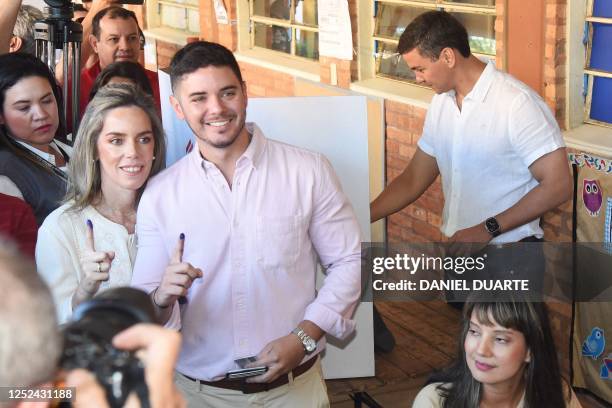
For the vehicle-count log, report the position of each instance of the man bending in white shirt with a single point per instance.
(492, 139)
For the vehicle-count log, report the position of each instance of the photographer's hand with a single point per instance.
(95, 267)
(88, 392)
(158, 348)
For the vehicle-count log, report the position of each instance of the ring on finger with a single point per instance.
(99, 267)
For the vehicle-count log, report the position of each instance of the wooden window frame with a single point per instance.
(591, 74)
(154, 20)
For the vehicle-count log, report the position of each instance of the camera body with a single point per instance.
(88, 342)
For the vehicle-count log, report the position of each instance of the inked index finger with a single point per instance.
(177, 257)
(89, 238)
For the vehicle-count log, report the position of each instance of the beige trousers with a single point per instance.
(305, 391)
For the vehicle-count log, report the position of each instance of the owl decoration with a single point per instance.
(592, 196)
(594, 344)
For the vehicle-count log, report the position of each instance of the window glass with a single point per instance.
(291, 39)
(273, 37)
(307, 44)
(389, 62)
(481, 31)
(392, 19)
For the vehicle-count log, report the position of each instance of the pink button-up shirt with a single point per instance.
(257, 244)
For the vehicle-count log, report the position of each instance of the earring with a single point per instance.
(153, 157)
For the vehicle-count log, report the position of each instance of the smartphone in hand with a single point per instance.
(245, 372)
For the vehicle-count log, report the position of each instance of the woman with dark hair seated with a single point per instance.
(507, 358)
(32, 157)
(88, 244)
(122, 72)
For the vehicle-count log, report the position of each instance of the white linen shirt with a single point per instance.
(484, 151)
(257, 245)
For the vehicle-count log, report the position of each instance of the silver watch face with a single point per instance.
(310, 345)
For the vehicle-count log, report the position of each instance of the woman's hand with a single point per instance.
(95, 266)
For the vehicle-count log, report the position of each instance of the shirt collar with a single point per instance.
(255, 149)
(44, 155)
(482, 86)
(252, 155)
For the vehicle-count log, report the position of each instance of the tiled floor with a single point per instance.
(426, 336)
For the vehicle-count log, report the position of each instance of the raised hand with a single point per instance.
(177, 278)
(95, 268)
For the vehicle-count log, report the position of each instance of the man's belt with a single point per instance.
(252, 388)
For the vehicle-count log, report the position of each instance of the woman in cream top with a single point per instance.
(88, 244)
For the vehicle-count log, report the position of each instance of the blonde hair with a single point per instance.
(84, 168)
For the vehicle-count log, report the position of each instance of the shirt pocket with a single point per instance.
(278, 241)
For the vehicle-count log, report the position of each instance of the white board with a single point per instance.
(337, 127)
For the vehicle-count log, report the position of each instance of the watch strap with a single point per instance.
(304, 338)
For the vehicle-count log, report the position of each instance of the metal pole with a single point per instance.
(50, 54)
(65, 76)
(76, 86)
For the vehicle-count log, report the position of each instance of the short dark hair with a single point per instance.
(13, 68)
(433, 31)
(201, 54)
(112, 12)
(125, 69)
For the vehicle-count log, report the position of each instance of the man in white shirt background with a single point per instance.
(492, 139)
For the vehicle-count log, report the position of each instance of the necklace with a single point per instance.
(128, 219)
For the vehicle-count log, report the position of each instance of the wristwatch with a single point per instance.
(308, 342)
(492, 227)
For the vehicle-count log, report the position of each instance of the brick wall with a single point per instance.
(555, 58)
(419, 222)
(263, 82)
(165, 52)
(500, 47)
